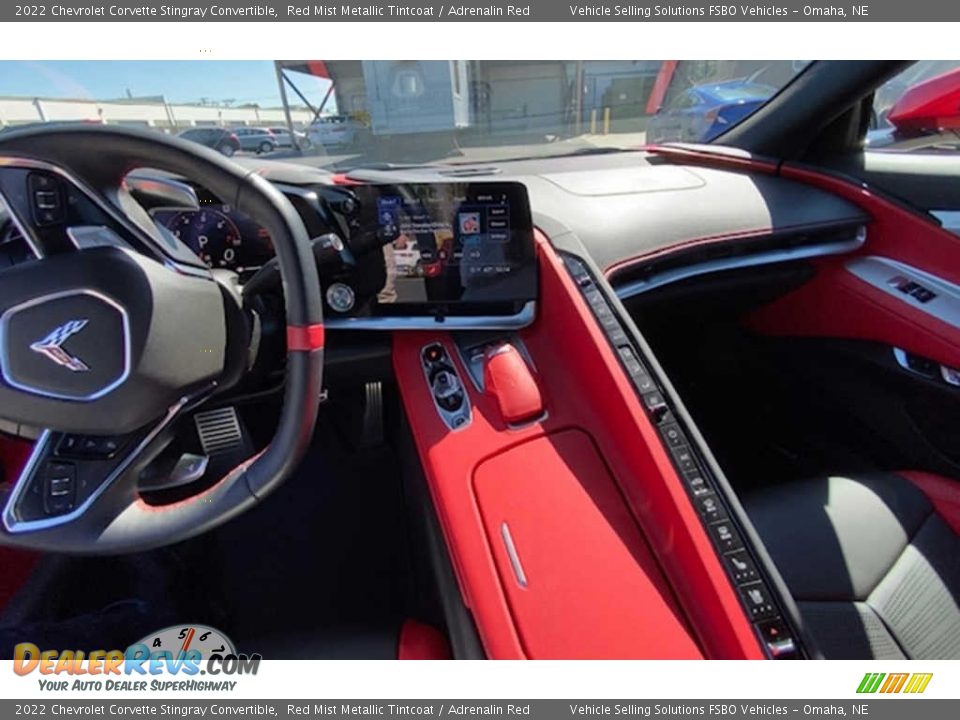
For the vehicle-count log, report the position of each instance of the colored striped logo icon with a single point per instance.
(913, 683)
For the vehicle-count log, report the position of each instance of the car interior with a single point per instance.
(677, 401)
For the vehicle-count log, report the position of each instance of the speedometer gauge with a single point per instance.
(213, 236)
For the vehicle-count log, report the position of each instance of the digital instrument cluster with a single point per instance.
(220, 236)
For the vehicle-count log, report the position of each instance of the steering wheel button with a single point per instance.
(69, 444)
(47, 200)
(60, 488)
(45, 196)
(54, 468)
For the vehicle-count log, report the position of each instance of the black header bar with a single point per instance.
(478, 11)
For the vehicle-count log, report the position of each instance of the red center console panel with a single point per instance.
(571, 533)
(578, 576)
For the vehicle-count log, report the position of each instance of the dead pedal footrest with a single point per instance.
(219, 430)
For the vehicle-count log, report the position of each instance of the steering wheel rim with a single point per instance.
(96, 160)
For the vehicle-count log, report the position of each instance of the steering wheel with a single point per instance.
(114, 341)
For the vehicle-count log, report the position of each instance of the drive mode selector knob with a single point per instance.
(447, 390)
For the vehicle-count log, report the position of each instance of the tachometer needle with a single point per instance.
(187, 640)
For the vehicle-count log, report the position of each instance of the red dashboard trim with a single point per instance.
(344, 179)
(614, 269)
(701, 155)
(896, 231)
(835, 303)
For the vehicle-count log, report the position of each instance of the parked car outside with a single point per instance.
(700, 113)
(336, 130)
(258, 140)
(219, 139)
(282, 136)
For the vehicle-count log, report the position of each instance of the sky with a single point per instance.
(186, 81)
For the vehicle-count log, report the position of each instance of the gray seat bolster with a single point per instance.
(874, 570)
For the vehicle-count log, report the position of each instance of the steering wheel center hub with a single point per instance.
(72, 345)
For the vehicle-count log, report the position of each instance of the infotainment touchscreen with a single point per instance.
(452, 248)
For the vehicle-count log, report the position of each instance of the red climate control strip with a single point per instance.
(521, 507)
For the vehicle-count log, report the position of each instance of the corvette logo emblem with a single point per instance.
(52, 346)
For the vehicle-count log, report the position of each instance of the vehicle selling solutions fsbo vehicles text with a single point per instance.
(648, 11)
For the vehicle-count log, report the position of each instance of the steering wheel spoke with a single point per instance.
(68, 472)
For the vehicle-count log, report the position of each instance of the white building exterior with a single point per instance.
(143, 113)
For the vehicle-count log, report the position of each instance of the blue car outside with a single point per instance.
(702, 112)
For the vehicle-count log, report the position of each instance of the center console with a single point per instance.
(577, 525)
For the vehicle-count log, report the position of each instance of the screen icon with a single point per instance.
(469, 223)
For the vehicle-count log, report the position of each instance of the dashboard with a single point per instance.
(390, 255)
(423, 246)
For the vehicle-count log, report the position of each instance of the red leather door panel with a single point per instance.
(838, 304)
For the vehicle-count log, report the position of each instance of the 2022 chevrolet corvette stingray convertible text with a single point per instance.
(678, 401)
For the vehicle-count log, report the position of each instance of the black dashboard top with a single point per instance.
(613, 207)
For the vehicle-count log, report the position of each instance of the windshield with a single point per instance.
(350, 114)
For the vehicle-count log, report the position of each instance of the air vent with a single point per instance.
(781, 247)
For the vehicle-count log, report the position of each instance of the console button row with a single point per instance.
(754, 593)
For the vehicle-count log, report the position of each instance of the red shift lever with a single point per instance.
(507, 378)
